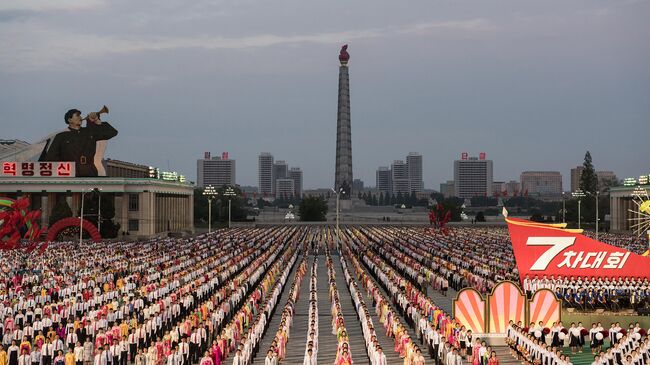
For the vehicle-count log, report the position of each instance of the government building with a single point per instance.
(147, 202)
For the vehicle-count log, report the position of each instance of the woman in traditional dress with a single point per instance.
(206, 360)
(493, 359)
(215, 352)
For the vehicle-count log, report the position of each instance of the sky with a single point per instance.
(533, 84)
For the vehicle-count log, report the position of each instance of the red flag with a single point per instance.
(526, 192)
(548, 249)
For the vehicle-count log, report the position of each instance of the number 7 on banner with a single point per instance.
(558, 244)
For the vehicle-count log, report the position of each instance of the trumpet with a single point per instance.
(104, 110)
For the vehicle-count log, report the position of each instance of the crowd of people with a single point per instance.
(589, 293)
(482, 257)
(208, 300)
(629, 346)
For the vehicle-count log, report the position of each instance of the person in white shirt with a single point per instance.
(36, 356)
(237, 359)
(270, 358)
(380, 357)
(79, 354)
(309, 358)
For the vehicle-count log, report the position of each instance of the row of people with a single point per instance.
(278, 352)
(387, 316)
(343, 353)
(311, 343)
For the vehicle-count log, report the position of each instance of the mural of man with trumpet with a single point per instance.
(79, 144)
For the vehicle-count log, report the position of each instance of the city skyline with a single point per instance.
(533, 85)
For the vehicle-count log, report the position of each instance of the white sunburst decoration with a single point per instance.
(640, 221)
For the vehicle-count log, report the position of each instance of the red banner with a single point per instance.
(549, 249)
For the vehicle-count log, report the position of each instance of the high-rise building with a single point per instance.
(400, 177)
(284, 188)
(472, 176)
(280, 171)
(295, 174)
(265, 172)
(497, 188)
(606, 179)
(343, 173)
(447, 189)
(541, 183)
(414, 165)
(384, 179)
(575, 177)
(357, 185)
(215, 171)
(513, 188)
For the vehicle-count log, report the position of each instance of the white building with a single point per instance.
(472, 177)
(400, 178)
(215, 171)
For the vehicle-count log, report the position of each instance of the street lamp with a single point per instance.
(210, 193)
(99, 209)
(563, 209)
(579, 194)
(597, 198)
(230, 192)
(338, 197)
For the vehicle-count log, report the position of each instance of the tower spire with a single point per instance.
(343, 177)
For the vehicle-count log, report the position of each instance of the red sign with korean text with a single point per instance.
(38, 169)
(548, 249)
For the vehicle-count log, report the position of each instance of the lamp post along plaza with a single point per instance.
(579, 194)
(210, 193)
(338, 197)
(230, 192)
(563, 209)
(597, 196)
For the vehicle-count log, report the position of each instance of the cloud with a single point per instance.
(45, 5)
(48, 48)
(14, 14)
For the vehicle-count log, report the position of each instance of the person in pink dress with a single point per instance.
(216, 353)
(475, 348)
(206, 360)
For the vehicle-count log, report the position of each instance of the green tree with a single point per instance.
(374, 200)
(313, 209)
(381, 198)
(480, 217)
(588, 178)
(108, 228)
(61, 210)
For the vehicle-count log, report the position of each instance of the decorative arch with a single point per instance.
(469, 309)
(507, 302)
(57, 227)
(544, 306)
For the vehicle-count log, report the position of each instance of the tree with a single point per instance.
(480, 217)
(313, 209)
(588, 178)
(381, 199)
(374, 200)
(61, 210)
(108, 228)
